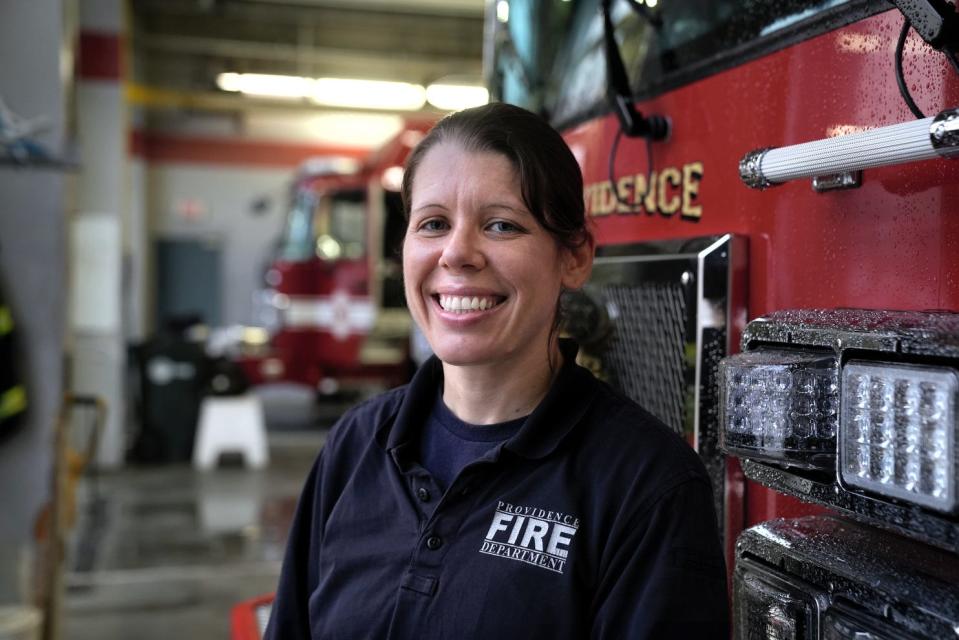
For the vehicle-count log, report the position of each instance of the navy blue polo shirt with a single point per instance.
(593, 520)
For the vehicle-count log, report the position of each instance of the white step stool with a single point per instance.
(231, 424)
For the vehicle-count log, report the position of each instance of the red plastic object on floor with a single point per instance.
(248, 618)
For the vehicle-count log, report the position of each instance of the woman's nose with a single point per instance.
(463, 250)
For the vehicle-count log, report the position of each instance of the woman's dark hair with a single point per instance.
(550, 179)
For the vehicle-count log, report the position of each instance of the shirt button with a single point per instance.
(423, 494)
(434, 542)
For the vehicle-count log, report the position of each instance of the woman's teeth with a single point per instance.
(462, 304)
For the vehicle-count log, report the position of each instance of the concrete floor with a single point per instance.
(166, 552)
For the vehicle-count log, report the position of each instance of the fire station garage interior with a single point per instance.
(154, 154)
(200, 224)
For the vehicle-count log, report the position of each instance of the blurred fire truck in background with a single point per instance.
(790, 170)
(334, 301)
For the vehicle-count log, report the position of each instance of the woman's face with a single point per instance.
(482, 277)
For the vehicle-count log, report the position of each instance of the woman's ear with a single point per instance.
(578, 263)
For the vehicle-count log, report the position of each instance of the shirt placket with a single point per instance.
(442, 515)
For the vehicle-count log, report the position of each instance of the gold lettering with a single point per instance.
(597, 200)
(669, 175)
(670, 190)
(589, 196)
(639, 190)
(649, 191)
(692, 174)
(607, 201)
(623, 186)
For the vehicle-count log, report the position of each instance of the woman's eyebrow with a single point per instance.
(509, 207)
(428, 205)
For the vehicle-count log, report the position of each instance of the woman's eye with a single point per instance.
(433, 225)
(502, 226)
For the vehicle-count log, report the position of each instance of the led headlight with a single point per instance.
(898, 432)
(781, 405)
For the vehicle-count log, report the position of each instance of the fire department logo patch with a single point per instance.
(536, 536)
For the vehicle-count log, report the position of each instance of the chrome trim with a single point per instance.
(911, 337)
(944, 133)
(751, 169)
(895, 144)
(710, 273)
(847, 180)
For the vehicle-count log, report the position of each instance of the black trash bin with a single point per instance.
(173, 374)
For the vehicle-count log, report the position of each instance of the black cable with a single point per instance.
(900, 77)
(633, 207)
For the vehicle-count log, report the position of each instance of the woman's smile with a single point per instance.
(467, 304)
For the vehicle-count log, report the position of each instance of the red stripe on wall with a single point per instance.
(99, 56)
(155, 147)
(136, 144)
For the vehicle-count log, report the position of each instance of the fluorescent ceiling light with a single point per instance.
(392, 179)
(454, 97)
(368, 94)
(352, 129)
(331, 92)
(261, 84)
(502, 11)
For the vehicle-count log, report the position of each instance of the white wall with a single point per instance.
(226, 196)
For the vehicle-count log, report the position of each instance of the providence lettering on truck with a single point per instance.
(777, 279)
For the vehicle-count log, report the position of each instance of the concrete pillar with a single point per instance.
(100, 225)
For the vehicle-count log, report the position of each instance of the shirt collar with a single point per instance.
(415, 408)
(565, 403)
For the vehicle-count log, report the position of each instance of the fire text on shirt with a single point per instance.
(536, 536)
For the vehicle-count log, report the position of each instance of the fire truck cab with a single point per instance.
(777, 276)
(334, 293)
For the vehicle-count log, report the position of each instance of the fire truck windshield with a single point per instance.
(329, 226)
(549, 54)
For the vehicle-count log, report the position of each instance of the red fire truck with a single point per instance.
(777, 276)
(334, 288)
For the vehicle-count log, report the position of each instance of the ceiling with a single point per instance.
(179, 46)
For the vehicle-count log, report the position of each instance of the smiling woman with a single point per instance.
(483, 277)
(494, 200)
(504, 492)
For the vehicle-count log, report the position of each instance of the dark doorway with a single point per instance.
(188, 280)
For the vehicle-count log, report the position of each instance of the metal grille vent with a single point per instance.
(644, 354)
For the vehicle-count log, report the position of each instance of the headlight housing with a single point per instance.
(833, 578)
(893, 458)
(770, 605)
